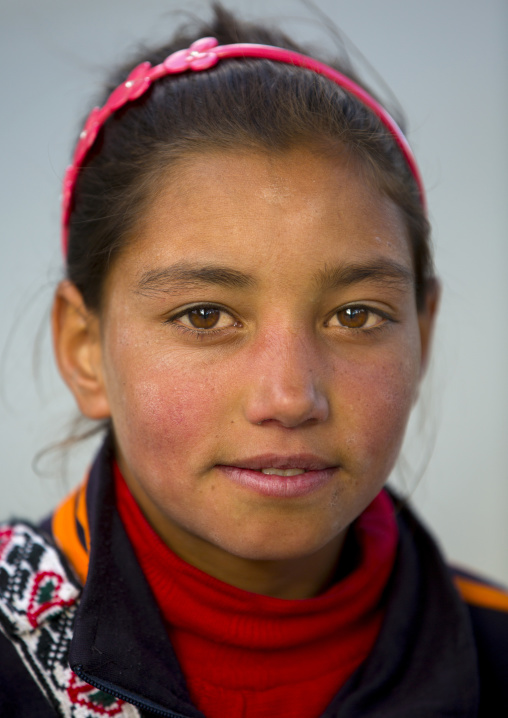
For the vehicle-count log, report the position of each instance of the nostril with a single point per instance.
(270, 410)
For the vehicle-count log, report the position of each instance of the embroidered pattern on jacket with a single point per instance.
(38, 603)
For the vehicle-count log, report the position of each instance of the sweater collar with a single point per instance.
(248, 648)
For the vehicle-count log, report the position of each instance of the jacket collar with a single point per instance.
(423, 664)
(120, 643)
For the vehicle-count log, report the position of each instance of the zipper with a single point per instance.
(112, 691)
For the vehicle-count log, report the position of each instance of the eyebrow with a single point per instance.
(383, 272)
(183, 276)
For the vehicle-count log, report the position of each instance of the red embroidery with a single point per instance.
(45, 595)
(83, 694)
(5, 537)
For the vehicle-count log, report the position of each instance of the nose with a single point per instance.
(285, 381)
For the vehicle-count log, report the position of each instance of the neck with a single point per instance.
(290, 578)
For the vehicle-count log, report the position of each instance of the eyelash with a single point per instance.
(204, 333)
(387, 319)
(201, 333)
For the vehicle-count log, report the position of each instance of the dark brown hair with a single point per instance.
(238, 104)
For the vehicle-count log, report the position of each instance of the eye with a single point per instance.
(357, 317)
(204, 317)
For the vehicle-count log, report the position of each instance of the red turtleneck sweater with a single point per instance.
(245, 655)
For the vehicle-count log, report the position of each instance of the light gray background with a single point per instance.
(447, 62)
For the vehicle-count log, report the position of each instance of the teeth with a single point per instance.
(283, 472)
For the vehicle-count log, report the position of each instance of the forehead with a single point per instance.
(297, 211)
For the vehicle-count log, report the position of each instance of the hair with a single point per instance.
(238, 105)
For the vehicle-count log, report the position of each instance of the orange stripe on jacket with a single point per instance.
(65, 531)
(82, 514)
(481, 594)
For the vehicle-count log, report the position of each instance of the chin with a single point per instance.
(278, 545)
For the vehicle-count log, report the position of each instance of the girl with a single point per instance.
(248, 307)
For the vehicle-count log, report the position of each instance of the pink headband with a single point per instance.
(202, 55)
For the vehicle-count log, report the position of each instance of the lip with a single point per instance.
(309, 462)
(247, 473)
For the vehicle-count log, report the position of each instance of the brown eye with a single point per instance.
(204, 317)
(358, 317)
(353, 317)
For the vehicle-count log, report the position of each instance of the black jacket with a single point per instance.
(435, 655)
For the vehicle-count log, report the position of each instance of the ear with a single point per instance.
(77, 346)
(427, 320)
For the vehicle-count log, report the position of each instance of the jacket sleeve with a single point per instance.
(20, 696)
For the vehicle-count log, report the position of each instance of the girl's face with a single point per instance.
(262, 323)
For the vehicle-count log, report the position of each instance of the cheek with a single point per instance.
(162, 405)
(375, 400)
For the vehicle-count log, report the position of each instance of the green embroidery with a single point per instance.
(102, 699)
(46, 592)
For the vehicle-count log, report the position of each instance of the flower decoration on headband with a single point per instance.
(134, 86)
(196, 58)
(203, 55)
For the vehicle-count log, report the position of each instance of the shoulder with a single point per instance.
(35, 580)
(39, 599)
(37, 602)
(487, 605)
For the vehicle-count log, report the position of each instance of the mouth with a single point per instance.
(275, 463)
(280, 476)
(272, 471)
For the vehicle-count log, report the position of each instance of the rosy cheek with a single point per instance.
(165, 411)
(160, 394)
(376, 400)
